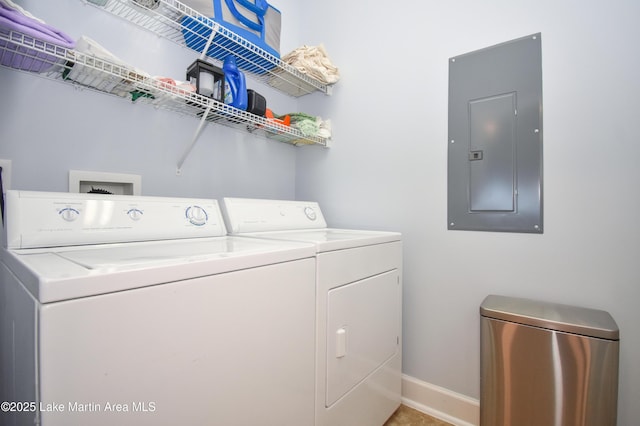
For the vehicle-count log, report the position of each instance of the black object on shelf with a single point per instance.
(256, 104)
(208, 79)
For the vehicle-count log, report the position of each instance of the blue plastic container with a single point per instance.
(235, 93)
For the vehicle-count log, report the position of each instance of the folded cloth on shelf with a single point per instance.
(27, 40)
(306, 123)
(11, 5)
(324, 128)
(313, 61)
(177, 86)
(310, 125)
(94, 67)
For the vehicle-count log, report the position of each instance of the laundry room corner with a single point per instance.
(387, 169)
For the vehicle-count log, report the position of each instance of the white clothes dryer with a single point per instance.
(141, 311)
(358, 306)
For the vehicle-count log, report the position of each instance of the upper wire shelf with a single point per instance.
(165, 20)
(23, 52)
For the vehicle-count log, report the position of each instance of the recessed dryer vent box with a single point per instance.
(495, 138)
(114, 183)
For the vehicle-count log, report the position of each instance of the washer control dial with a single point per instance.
(196, 215)
(69, 214)
(310, 213)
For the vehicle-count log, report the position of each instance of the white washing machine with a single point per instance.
(121, 310)
(358, 307)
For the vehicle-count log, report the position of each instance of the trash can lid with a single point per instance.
(553, 316)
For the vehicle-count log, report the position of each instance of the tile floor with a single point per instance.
(406, 416)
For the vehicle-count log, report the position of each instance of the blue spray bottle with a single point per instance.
(235, 93)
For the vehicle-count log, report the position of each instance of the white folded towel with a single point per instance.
(313, 61)
(11, 5)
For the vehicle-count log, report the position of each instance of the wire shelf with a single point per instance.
(165, 20)
(25, 53)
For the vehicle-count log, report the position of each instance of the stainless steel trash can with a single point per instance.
(546, 364)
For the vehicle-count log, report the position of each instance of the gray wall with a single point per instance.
(387, 167)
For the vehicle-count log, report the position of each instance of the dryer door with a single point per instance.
(363, 330)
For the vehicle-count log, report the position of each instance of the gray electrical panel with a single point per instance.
(495, 138)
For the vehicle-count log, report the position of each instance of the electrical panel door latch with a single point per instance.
(475, 155)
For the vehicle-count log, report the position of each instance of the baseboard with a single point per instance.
(441, 403)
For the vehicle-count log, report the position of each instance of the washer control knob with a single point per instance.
(310, 213)
(69, 214)
(197, 215)
(135, 214)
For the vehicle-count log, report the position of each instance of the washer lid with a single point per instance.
(72, 272)
(329, 239)
(553, 316)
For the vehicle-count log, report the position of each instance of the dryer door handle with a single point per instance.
(341, 342)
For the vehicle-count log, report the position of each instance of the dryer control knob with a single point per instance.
(135, 214)
(197, 215)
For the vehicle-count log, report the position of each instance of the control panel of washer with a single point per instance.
(42, 219)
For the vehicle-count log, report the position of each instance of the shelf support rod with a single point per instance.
(194, 139)
(196, 135)
(214, 31)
